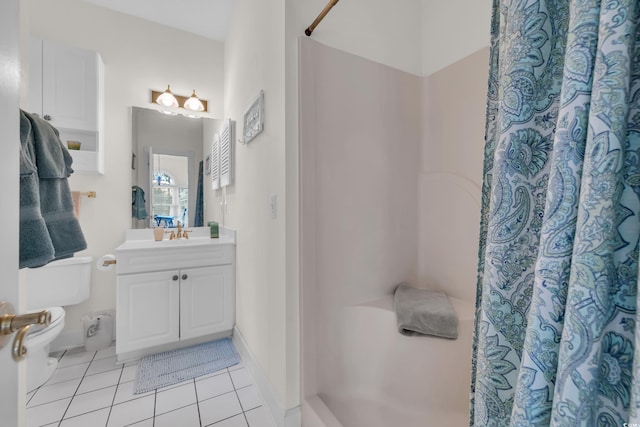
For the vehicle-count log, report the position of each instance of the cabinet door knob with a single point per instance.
(47, 117)
(175, 277)
(184, 277)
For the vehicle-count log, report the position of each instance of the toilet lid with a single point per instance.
(57, 315)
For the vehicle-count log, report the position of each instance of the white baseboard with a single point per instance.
(282, 418)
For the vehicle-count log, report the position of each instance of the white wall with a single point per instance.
(417, 36)
(380, 30)
(254, 61)
(452, 30)
(139, 56)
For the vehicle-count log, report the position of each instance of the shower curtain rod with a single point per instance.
(320, 17)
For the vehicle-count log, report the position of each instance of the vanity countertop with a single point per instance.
(142, 239)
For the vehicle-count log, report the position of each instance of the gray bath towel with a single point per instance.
(36, 248)
(49, 154)
(424, 312)
(49, 228)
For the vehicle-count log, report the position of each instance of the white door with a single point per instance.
(12, 398)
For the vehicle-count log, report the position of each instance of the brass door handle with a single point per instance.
(10, 322)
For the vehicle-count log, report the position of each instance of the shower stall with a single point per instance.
(389, 192)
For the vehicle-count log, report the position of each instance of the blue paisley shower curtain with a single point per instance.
(557, 340)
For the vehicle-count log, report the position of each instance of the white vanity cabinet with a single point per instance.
(173, 296)
(66, 88)
(147, 310)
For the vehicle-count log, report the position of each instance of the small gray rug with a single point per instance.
(171, 367)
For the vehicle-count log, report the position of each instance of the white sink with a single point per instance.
(143, 239)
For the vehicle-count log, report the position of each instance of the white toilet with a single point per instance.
(59, 283)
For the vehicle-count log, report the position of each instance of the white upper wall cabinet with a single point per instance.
(66, 88)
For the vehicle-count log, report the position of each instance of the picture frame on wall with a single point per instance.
(254, 119)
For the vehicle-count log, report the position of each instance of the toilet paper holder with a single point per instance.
(106, 262)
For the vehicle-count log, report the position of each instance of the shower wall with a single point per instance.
(454, 100)
(390, 177)
(359, 164)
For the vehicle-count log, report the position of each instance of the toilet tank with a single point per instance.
(59, 283)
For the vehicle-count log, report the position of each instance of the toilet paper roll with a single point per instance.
(102, 265)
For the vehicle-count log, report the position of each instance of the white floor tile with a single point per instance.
(30, 396)
(213, 386)
(213, 374)
(175, 398)
(129, 373)
(145, 423)
(49, 393)
(219, 408)
(94, 382)
(47, 413)
(241, 378)
(79, 350)
(236, 366)
(132, 411)
(185, 417)
(237, 421)
(106, 352)
(57, 354)
(249, 397)
(125, 392)
(91, 419)
(75, 358)
(94, 400)
(169, 387)
(260, 417)
(86, 384)
(68, 373)
(103, 365)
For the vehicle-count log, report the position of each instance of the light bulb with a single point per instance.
(167, 99)
(194, 103)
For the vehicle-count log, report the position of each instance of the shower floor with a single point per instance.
(357, 412)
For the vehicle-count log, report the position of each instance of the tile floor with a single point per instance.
(89, 390)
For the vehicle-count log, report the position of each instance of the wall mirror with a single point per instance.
(166, 155)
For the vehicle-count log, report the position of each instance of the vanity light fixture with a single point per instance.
(167, 99)
(170, 100)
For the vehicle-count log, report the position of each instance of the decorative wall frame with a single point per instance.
(253, 119)
(227, 157)
(222, 156)
(215, 162)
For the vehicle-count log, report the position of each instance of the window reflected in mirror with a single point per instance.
(170, 197)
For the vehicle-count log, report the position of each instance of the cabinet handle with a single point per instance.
(47, 117)
(184, 277)
(175, 277)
